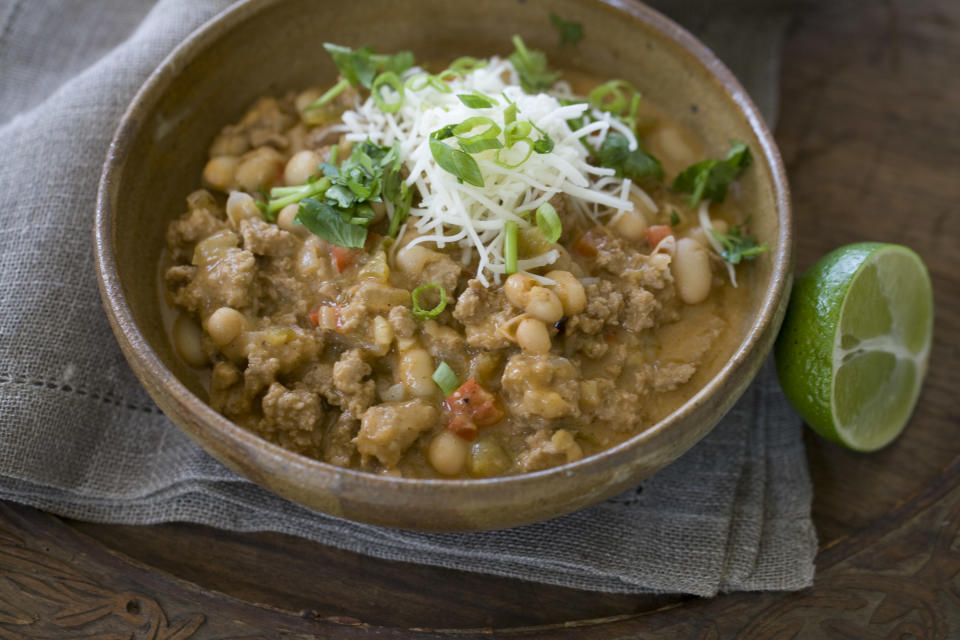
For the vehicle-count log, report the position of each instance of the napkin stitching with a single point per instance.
(107, 397)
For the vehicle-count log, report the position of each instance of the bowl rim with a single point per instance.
(136, 346)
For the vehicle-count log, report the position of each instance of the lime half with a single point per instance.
(854, 346)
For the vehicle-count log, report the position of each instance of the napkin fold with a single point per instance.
(80, 437)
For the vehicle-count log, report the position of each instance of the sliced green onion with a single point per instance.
(421, 81)
(468, 125)
(486, 139)
(477, 100)
(308, 190)
(516, 131)
(481, 145)
(446, 76)
(442, 133)
(549, 222)
(280, 192)
(389, 79)
(446, 379)
(510, 247)
(510, 113)
(612, 96)
(418, 82)
(331, 93)
(466, 64)
(506, 165)
(425, 314)
(630, 118)
(544, 144)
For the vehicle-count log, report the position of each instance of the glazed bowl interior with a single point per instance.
(269, 47)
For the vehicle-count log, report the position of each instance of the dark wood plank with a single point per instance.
(868, 128)
(299, 575)
(871, 140)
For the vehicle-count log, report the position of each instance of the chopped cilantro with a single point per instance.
(570, 32)
(709, 179)
(360, 67)
(330, 224)
(737, 247)
(637, 164)
(674, 218)
(531, 66)
(337, 207)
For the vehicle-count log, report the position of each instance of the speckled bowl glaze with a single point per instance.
(271, 46)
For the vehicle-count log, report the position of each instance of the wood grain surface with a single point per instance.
(870, 133)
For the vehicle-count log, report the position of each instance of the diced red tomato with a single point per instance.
(658, 232)
(315, 316)
(344, 258)
(475, 403)
(462, 427)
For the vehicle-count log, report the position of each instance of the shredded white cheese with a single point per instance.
(451, 212)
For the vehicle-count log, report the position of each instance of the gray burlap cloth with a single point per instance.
(80, 437)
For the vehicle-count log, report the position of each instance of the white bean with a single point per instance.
(229, 144)
(214, 246)
(258, 169)
(201, 199)
(517, 288)
(415, 371)
(691, 271)
(570, 291)
(631, 225)
(220, 172)
(382, 334)
(188, 341)
(411, 259)
(532, 336)
(394, 393)
(286, 216)
(675, 148)
(448, 453)
(699, 235)
(224, 325)
(240, 206)
(301, 167)
(305, 98)
(544, 305)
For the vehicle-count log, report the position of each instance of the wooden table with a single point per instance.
(870, 132)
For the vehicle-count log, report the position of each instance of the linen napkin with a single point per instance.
(80, 437)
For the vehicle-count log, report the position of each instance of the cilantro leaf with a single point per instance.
(637, 164)
(476, 100)
(531, 66)
(396, 63)
(360, 67)
(457, 162)
(570, 32)
(328, 223)
(709, 179)
(737, 247)
(544, 144)
(337, 206)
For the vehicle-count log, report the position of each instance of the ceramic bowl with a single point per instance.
(272, 46)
